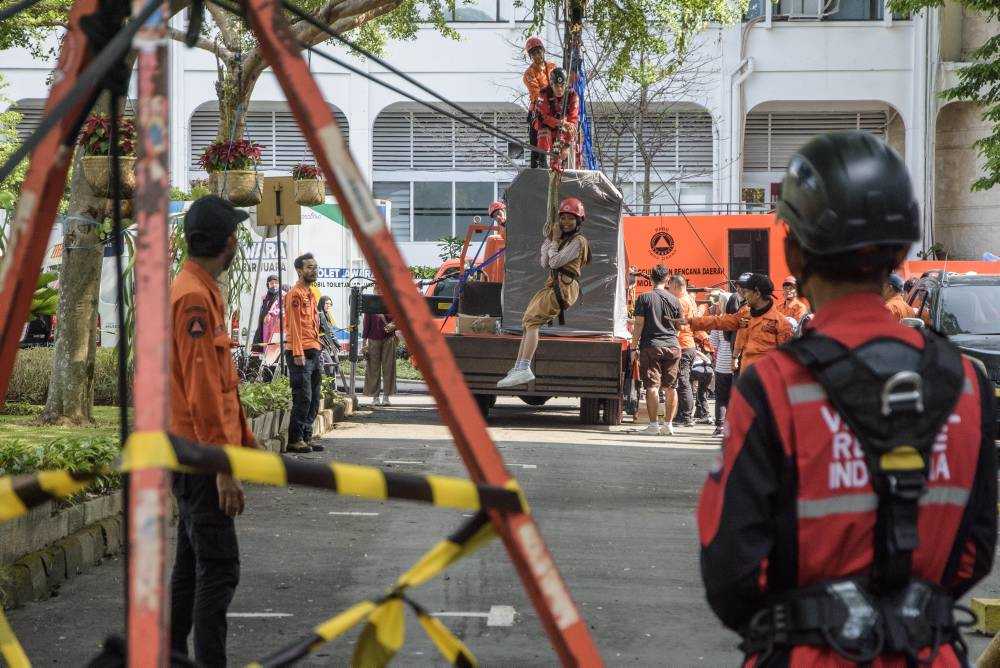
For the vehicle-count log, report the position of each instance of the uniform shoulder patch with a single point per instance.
(196, 327)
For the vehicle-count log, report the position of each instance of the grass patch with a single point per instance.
(24, 428)
(404, 369)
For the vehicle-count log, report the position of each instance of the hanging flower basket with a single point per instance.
(309, 188)
(97, 174)
(95, 140)
(242, 187)
(232, 171)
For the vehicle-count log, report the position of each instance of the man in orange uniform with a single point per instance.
(793, 306)
(536, 77)
(686, 339)
(205, 407)
(496, 242)
(553, 125)
(302, 352)
(759, 326)
(892, 293)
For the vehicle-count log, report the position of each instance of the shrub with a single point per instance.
(423, 271)
(20, 409)
(225, 155)
(29, 381)
(304, 171)
(95, 136)
(261, 398)
(69, 453)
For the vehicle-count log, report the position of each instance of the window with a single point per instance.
(483, 11)
(432, 210)
(268, 124)
(771, 138)
(398, 193)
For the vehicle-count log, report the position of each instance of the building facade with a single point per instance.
(790, 70)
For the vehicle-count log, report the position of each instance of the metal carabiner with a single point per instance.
(903, 387)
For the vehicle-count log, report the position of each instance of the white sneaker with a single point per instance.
(516, 377)
(386, 402)
(650, 430)
(667, 429)
(377, 401)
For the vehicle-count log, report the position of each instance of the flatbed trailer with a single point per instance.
(595, 369)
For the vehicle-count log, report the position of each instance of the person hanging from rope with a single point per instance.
(564, 253)
(854, 501)
(205, 407)
(557, 131)
(535, 78)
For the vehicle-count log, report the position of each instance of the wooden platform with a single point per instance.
(563, 367)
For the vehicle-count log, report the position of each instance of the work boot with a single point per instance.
(316, 447)
(718, 431)
(704, 420)
(516, 377)
(299, 447)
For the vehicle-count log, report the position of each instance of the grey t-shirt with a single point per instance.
(656, 307)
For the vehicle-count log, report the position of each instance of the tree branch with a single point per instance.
(221, 20)
(202, 43)
(343, 16)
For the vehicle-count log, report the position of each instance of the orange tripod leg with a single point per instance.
(562, 620)
(39, 199)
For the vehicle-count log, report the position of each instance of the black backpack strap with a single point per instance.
(896, 401)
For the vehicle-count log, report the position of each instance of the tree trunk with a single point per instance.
(71, 387)
(233, 88)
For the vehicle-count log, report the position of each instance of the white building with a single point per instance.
(796, 68)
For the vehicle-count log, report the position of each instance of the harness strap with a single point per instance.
(563, 271)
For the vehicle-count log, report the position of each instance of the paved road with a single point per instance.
(616, 510)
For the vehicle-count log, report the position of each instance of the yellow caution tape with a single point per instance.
(345, 621)
(10, 648)
(266, 468)
(11, 505)
(452, 649)
(363, 481)
(382, 636)
(453, 493)
(148, 449)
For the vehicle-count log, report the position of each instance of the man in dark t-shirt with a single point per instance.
(655, 335)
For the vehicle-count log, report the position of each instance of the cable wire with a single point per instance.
(88, 79)
(480, 125)
(17, 8)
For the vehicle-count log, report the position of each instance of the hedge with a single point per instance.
(30, 379)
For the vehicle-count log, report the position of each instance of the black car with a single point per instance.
(966, 309)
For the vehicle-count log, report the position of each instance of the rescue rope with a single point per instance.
(146, 450)
(384, 634)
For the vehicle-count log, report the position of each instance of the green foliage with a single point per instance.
(978, 82)
(73, 453)
(20, 408)
(30, 28)
(261, 398)
(423, 271)
(95, 136)
(32, 373)
(450, 247)
(935, 252)
(9, 143)
(46, 299)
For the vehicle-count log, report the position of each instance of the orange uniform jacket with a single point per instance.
(765, 332)
(795, 308)
(204, 401)
(535, 79)
(899, 308)
(301, 320)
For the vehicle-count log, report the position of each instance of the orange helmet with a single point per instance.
(574, 206)
(496, 206)
(534, 42)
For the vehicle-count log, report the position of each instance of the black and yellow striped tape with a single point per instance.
(10, 649)
(157, 450)
(383, 634)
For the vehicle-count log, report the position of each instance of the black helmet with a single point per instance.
(847, 190)
(557, 76)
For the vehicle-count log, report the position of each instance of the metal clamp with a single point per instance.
(905, 390)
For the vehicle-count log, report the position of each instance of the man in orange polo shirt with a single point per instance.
(892, 293)
(302, 348)
(205, 407)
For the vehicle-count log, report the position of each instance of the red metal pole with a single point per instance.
(148, 611)
(566, 627)
(39, 199)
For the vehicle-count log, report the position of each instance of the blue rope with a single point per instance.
(579, 86)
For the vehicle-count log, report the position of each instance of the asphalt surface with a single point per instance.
(616, 509)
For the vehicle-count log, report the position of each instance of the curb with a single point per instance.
(37, 576)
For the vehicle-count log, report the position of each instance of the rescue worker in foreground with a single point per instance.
(792, 307)
(205, 407)
(892, 293)
(564, 253)
(856, 495)
(535, 78)
(302, 353)
(555, 127)
(759, 325)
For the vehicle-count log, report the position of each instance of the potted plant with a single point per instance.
(232, 170)
(95, 140)
(309, 188)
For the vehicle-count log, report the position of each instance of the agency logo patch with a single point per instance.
(196, 327)
(662, 243)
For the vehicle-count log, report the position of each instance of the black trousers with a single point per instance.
(700, 383)
(723, 389)
(537, 159)
(685, 396)
(307, 391)
(206, 570)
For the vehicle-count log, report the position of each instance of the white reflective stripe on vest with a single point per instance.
(805, 393)
(810, 509)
